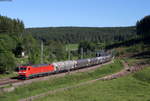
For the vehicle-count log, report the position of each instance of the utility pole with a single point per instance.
(81, 53)
(42, 52)
(68, 52)
(68, 49)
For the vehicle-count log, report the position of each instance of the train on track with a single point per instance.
(26, 72)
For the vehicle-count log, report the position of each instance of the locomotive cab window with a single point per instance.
(22, 68)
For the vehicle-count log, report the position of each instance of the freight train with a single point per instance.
(26, 72)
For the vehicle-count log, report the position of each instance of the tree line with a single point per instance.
(10, 30)
(142, 31)
(77, 34)
(143, 26)
(8, 25)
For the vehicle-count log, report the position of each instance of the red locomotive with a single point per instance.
(35, 70)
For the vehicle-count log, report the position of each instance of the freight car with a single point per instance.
(65, 65)
(46, 69)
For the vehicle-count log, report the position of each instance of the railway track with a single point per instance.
(8, 81)
(16, 82)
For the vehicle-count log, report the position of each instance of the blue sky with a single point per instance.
(90, 13)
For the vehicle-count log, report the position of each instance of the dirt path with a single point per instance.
(123, 72)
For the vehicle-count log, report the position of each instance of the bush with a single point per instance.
(7, 62)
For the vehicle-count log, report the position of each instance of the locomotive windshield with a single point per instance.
(22, 68)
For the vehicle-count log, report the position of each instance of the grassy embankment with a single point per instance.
(54, 83)
(135, 54)
(13, 74)
(135, 87)
(72, 46)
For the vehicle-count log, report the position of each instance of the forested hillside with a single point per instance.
(10, 37)
(8, 25)
(77, 34)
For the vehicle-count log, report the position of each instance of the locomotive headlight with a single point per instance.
(22, 72)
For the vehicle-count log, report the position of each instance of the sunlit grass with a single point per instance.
(135, 87)
(72, 46)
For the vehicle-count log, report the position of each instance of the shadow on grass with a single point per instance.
(16, 77)
(144, 57)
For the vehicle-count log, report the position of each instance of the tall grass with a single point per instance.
(143, 75)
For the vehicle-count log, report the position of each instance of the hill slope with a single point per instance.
(130, 88)
(77, 34)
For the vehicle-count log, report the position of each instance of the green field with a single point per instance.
(135, 87)
(72, 46)
(54, 83)
(12, 74)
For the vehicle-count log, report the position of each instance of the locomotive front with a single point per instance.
(23, 72)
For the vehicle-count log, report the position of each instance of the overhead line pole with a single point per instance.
(68, 52)
(81, 53)
(41, 52)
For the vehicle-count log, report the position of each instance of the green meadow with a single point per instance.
(135, 87)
